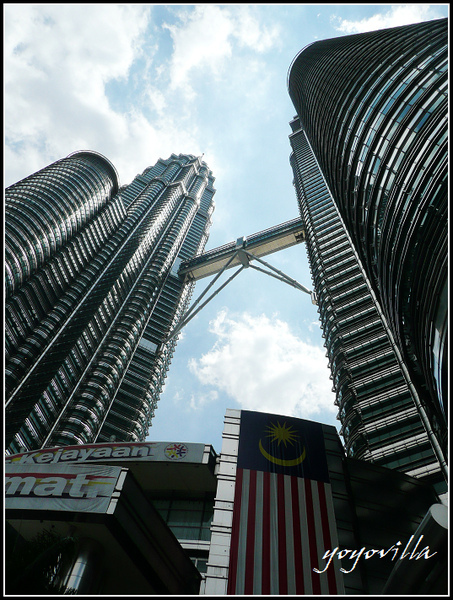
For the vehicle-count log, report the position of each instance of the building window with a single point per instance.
(188, 519)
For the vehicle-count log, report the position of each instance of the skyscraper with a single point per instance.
(93, 292)
(370, 170)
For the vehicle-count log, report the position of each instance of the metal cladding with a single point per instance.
(47, 209)
(373, 108)
(86, 327)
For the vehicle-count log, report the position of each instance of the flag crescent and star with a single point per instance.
(282, 444)
(283, 434)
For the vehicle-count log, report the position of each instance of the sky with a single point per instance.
(138, 82)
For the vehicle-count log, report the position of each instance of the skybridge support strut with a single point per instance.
(282, 276)
(189, 314)
(245, 258)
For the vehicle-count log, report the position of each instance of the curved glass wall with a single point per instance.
(374, 107)
(44, 211)
(375, 405)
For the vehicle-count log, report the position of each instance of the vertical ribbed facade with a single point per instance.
(87, 318)
(45, 211)
(373, 136)
(380, 422)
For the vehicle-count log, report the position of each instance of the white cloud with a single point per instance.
(403, 14)
(262, 365)
(70, 50)
(58, 60)
(208, 36)
(253, 34)
(202, 39)
(200, 400)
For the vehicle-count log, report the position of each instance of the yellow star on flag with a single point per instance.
(282, 433)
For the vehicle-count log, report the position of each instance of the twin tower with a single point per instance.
(94, 287)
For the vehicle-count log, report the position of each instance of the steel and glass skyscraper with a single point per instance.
(92, 293)
(370, 170)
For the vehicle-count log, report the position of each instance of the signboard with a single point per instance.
(118, 452)
(70, 487)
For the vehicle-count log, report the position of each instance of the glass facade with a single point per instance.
(379, 419)
(374, 109)
(188, 519)
(47, 209)
(370, 165)
(87, 321)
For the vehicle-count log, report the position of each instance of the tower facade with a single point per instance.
(370, 171)
(93, 292)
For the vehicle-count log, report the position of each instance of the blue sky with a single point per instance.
(136, 82)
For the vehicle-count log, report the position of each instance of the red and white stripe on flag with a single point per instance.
(282, 526)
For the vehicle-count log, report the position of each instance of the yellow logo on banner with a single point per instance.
(281, 433)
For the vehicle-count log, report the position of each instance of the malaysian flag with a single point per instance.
(283, 517)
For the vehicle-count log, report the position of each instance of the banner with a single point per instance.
(119, 452)
(283, 517)
(72, 487)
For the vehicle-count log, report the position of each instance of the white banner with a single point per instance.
(71, 487)
(118, 452)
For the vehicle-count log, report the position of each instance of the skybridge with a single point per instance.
(231, 255)
(244, 253)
